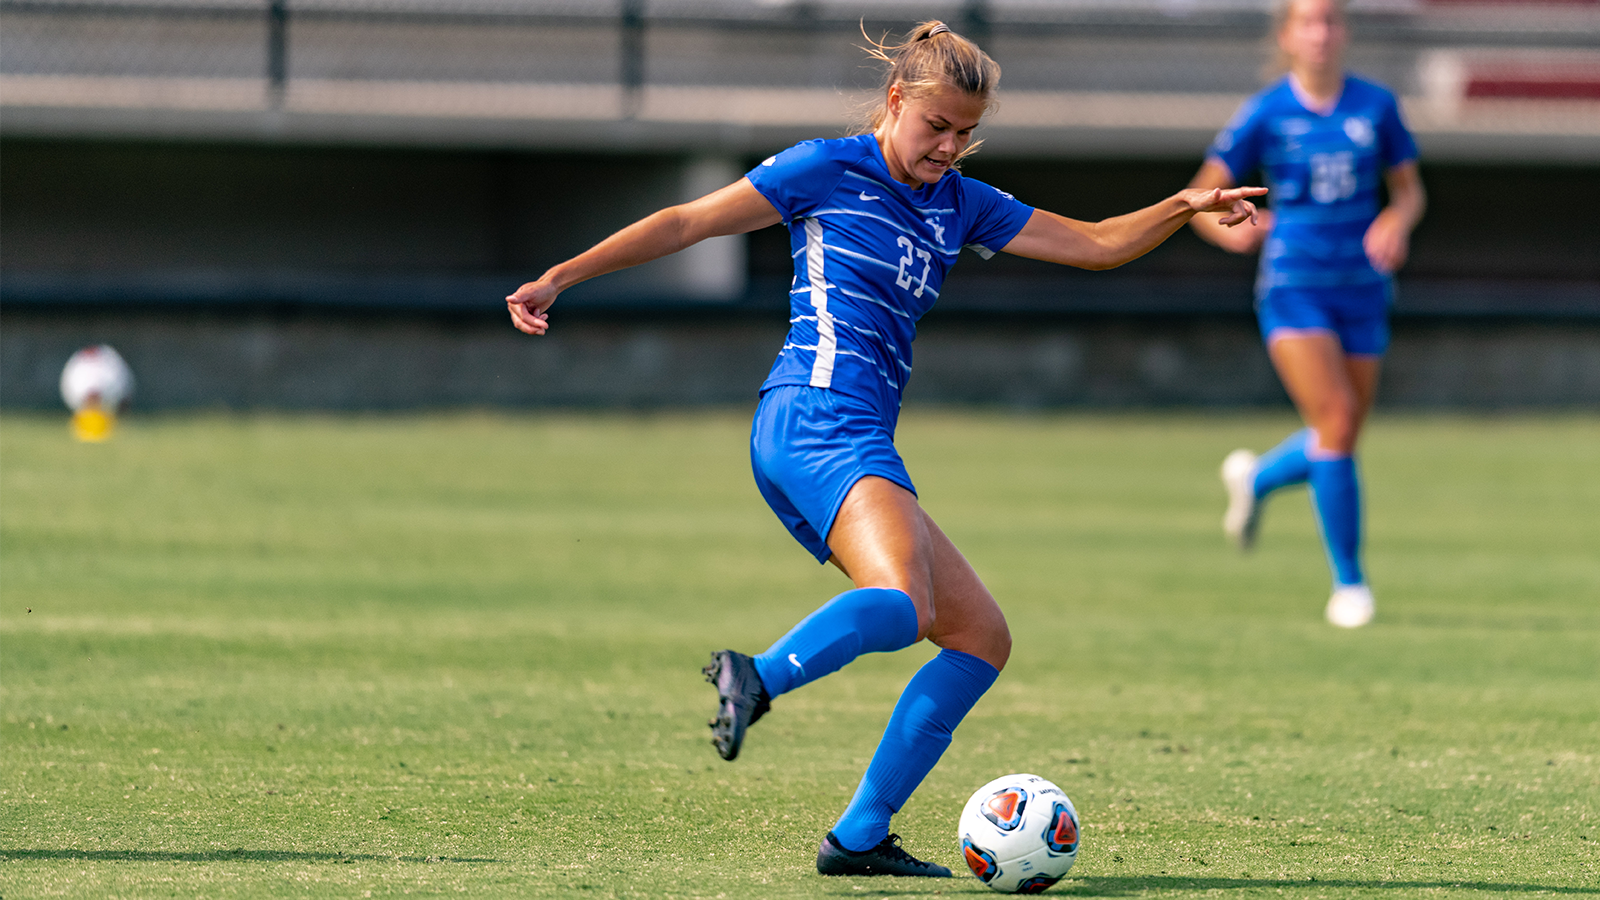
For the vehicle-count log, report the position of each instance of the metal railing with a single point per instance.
(1137, 65)
(108, 37)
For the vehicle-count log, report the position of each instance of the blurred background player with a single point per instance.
(1325, 139)
(876, 220)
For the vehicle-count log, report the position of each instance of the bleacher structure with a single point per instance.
(1508, 80)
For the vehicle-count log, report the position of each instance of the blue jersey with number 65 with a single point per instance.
(1324, 172)
(870, 255)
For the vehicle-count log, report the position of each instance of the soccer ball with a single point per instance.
(96, 378)
(1019, 834)
(96, 384)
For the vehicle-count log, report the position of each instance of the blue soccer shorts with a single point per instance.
(808, 447)
(1358, 315)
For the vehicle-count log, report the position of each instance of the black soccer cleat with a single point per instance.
(885, 859)
(741, 699)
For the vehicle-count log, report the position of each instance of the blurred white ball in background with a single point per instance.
(96, 378)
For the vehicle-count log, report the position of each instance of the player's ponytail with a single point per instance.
(932, 57)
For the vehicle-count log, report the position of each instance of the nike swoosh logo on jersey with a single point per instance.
(867, 196)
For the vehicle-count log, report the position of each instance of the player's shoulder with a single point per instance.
(1362, 88)
(1368, 96)
(823, 153)
(1273, 99)
(1251, 118)
(796, 180)
(965, 186)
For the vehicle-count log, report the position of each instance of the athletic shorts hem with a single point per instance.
(825, 553)
(1357, 317)
(808, 449)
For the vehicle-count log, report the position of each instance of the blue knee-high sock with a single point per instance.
(1336, 496)
(934, 703)
(1283, 465)
(865, 620)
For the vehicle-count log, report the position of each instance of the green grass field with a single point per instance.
(459, 655)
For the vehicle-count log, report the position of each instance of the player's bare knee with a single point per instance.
(1000, 647)
(1336, 437)
(922, 600)
(1336, 428)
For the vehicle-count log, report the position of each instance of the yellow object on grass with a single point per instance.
(93, 425)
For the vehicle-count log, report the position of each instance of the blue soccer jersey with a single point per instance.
(870, 255)
(1324, 172)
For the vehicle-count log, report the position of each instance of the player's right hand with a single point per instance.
(1233, 203)
(528, 303)
(1246, 237)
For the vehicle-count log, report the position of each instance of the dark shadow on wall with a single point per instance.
(294, 358)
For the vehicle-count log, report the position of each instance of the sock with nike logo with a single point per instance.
(865, 620)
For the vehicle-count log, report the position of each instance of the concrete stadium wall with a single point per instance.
(264, 359)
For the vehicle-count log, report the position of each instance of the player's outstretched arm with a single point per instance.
(1388, 238)
(1112, 242)
(735, 209)
(1241, 238)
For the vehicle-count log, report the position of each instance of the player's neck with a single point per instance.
(1317, 90)
(891, 161)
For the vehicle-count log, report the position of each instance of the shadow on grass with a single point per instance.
(227, 855)
(1132, 885)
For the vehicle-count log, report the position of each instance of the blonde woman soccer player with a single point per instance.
(876, 221)
(1325, 140)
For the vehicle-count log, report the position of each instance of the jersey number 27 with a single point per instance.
(1333, 176)
(908, 262)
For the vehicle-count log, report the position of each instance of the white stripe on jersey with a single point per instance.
(862, 331)
(851, 173)
(847, 252)
(861, 356)
(827, 341)
(874, 300)
(942, 251)
(862, 297)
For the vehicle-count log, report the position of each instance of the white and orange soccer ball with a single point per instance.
(95, 384)
(1019, 834)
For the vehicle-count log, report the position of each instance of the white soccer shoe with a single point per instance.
(1351, 606)
(1244, 513)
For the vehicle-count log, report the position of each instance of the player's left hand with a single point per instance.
(1387, 243)
(1233, 203)
(528, 303)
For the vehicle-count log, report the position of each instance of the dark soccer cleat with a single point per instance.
(885, 859)
(741, 699)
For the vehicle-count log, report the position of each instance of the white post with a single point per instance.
(712, 269)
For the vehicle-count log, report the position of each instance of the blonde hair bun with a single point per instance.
(921, 66)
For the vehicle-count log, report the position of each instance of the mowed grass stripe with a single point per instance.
(458, 654)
